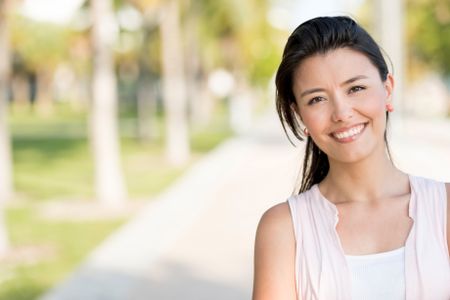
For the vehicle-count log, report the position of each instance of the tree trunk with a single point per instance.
(174, 87)
(146, 110)
(389, 27)
(20, 87)
(146, 90)
(44, 98)
(6, 178)
(109, 182)
(389, 24)
(193, 68)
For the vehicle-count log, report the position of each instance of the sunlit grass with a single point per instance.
(57, 246)
(45, 168)
(50, 164)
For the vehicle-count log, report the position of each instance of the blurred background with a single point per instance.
(139, 144)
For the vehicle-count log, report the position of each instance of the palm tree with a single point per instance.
(173, 79)
(389, 24)
(109, 181)
(174, 87)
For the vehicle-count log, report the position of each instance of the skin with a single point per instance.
(334, 90)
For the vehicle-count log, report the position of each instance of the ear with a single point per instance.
(389, 87)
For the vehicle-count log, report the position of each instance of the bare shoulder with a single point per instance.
(278, 217)
(447, 187)
(274, 261)
(275, 227)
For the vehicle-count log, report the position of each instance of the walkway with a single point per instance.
(196, 240)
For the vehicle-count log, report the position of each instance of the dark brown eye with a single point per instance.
(315, 100)
(357, 88)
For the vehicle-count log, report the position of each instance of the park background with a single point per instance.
(107, 106)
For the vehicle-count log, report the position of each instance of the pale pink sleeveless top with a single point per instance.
(321, 268)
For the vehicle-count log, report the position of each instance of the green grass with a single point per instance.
(66, 244)
(52, 162)
(45, 168)
(49, 164)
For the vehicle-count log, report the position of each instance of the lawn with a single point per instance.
(53, 168)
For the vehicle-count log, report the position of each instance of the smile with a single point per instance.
(350, 134)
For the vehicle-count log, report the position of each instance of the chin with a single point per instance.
(376, 152)
(353, 156)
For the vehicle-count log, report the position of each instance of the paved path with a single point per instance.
(196, 240)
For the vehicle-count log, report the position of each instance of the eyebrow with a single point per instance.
(348, 81)
(353, 79)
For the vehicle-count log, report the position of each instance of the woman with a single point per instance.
(359, 228)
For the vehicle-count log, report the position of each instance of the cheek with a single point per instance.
(373, 108)
(374, 104)
(315, 120)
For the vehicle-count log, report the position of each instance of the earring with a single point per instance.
(389, 107)
(305, 131)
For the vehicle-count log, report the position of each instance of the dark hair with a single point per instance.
(318, 36)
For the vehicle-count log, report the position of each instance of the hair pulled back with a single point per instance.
(319, 36)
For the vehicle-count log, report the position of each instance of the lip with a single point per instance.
(350, 138)
(348, 127)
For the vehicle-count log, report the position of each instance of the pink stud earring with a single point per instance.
(389, 107)
(305, 131)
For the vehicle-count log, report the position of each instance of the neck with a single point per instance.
(366, 181)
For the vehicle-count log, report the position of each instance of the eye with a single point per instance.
(315, 100)
(355, 89)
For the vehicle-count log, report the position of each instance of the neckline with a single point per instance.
(378, 255)
(333, 209)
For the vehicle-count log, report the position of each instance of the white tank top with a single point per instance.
(378, 276)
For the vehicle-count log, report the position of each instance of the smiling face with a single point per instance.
(341, 100)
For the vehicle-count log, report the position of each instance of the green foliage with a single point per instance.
(39, 45)
(235, 34)
(428, 24)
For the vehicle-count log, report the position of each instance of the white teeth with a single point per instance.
(353, 131)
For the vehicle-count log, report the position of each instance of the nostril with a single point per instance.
(342, 115)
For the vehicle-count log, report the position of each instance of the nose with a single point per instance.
(342, 109)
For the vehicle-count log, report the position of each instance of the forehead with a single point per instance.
(336, 65)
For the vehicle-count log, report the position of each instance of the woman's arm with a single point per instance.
(447, 186)
(274, 264)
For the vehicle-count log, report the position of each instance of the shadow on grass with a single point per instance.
(46, 149)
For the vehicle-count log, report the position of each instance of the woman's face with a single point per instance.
(341, 100)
